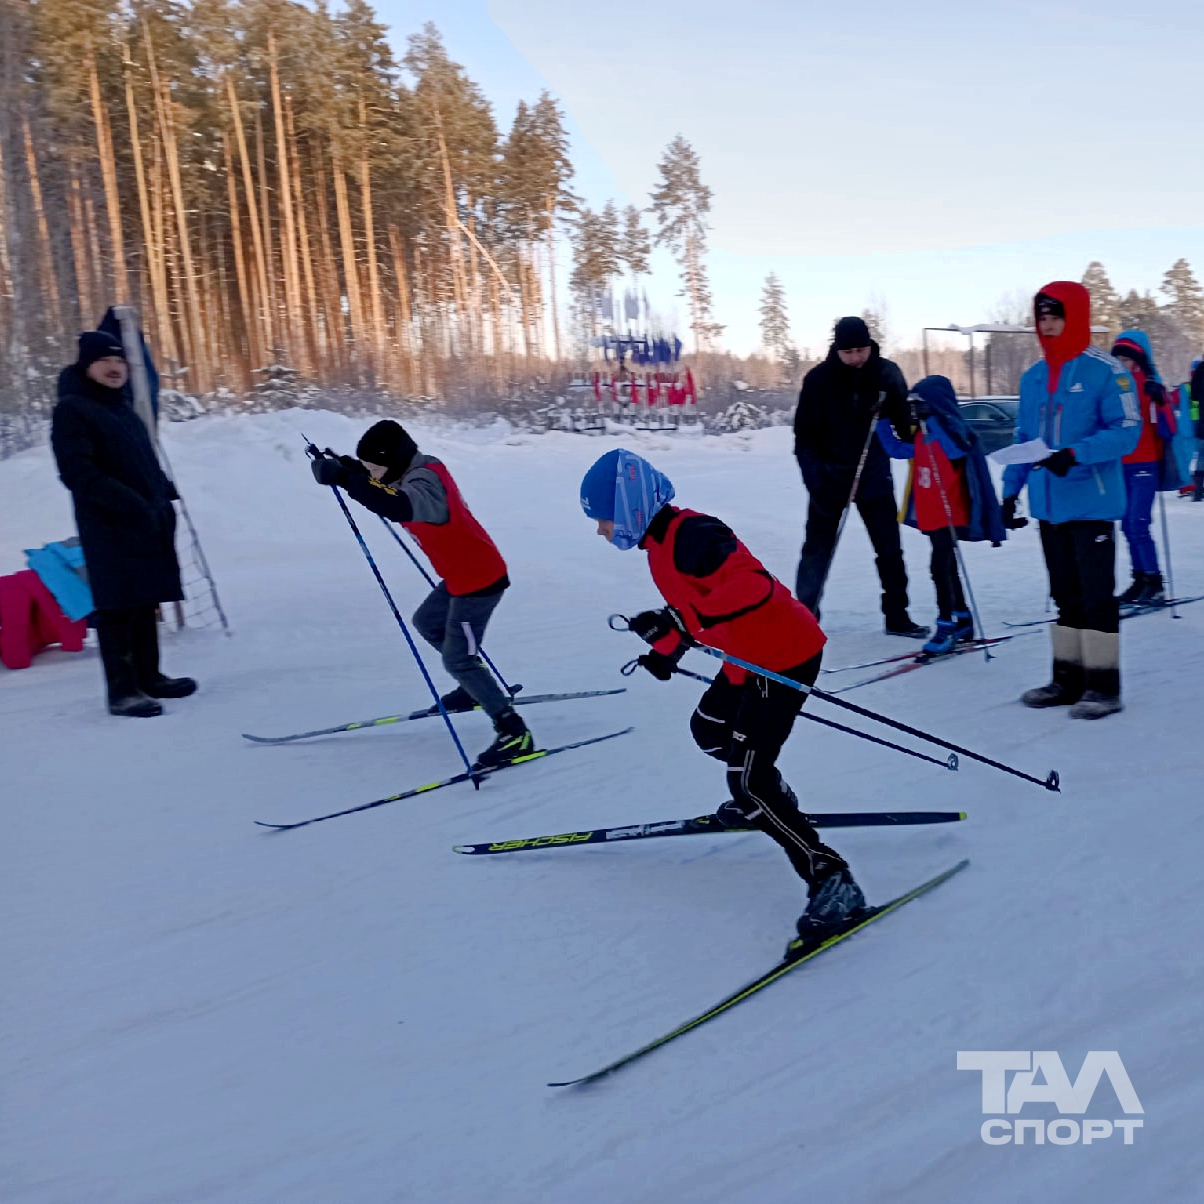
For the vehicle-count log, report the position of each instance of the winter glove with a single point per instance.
(660, 666)
(919, 407)
(1060, 463)
(328, 470)
(653, 625)
(1009, 514)
(1155, 391)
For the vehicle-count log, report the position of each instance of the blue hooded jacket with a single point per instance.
(959, 441)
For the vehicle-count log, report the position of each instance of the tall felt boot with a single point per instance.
(1067, 685)
(1101, 669)
(145, 646)
(114, 631)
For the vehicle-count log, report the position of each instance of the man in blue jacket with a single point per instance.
(1081, 403)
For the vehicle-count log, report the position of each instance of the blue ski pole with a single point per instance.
(312, 451)
(511, 690)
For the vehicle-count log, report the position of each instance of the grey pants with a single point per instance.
(456, 627)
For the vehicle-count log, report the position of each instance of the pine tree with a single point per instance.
(775, 323)
(1105, 301)
(635, 246)
(1186, 303)
(680, 204)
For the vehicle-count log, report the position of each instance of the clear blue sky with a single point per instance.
(934, 157)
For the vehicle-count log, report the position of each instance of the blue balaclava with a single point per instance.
(624, 488)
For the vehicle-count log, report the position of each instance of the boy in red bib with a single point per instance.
(391, 477)
(719, 594)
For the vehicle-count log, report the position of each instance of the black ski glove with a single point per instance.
(1009, 514)
(1060, 463)
(1155, 391)
(919, 407)
(660, 666)
(653, 625)
(329, 469)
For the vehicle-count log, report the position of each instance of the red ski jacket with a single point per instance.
(725, 595)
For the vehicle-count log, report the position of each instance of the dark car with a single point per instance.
(994, 420)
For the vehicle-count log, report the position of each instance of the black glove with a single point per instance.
(660, 666)
(653, 625)
(1155, 391)
(1060, 463)
(919, 407)
(1009, 514)
(329, 470)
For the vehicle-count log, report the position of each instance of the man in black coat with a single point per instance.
(1197, 399)
(123, 509)
(841, 401)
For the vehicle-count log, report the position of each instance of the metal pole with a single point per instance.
(1166, 548)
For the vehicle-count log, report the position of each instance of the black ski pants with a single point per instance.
(1080, 557)
(745, 726)
(875, 503)
(129, 649)
(945, 577)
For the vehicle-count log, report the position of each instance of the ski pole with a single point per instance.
(865, 451)
(312, 452)
(957, 547)
(949, 763)
(401, 543)
(1166, 547)
(1051, 782)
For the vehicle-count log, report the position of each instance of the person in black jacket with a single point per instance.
(840, 403)
(123, 509)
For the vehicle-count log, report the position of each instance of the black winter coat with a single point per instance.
(123, 499)
(835, 412)
(1197, 395)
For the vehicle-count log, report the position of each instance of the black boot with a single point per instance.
(144, 631)
(1197, 479)
(902, 625)
(1134, 592)
(1067, 685)
(835, 904)
(457, 701)
(1153, 593)
(115, 631)
(513, 741)
(1101, 664)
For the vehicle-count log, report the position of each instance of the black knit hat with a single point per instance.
(388, 443)
(96, 345)
(1046, 306)
(1133, 351)
(850, 333)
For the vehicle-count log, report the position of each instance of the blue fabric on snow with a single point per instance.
(637, 491)
(60, 566)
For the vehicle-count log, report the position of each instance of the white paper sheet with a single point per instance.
(1022, 453)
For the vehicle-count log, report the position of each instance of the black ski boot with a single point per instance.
(1154, 592)
(513, 741)
(835, 905)
(1132, 595)
(458, 701)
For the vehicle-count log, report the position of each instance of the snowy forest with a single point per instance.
(284, 197)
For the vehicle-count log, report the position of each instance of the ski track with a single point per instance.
(196, 1010)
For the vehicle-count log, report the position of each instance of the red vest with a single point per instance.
(459, 549)
(934, 470)
(741, 608)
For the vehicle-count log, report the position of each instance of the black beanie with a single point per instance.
(96, 345)
(387, 443)
(850, 333)
(1134, 351)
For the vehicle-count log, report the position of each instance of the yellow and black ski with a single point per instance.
(476, 775)
(782, 968)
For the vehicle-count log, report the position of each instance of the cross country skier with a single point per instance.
(719, 594)
(391, 477)
(1081, 402)
(949, 487)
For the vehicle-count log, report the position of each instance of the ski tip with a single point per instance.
(273, 827)
(260, 739)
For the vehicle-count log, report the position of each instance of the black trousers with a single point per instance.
(1080, 558)
(945, 577)
(745, 726)
(824, 509)
(129, 649)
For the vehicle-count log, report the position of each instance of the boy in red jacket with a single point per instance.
(393, 478)
(719, 594)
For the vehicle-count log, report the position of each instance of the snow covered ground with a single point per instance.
(195, 1009)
